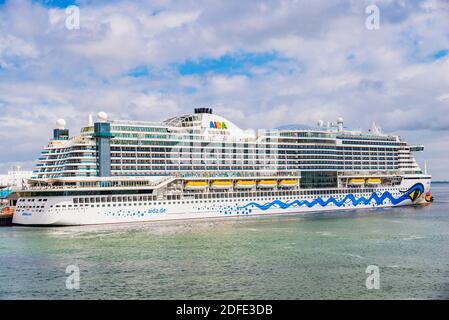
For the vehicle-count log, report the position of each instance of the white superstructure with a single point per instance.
(202, 165)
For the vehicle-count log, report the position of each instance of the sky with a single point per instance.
(262, 64)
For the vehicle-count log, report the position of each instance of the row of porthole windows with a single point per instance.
(113, 199)
(223, 196)
(273, 197)
(200, 196)
(175, 202)
(179, 202)
(29, 207)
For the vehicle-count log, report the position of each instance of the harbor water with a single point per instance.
(314, 256)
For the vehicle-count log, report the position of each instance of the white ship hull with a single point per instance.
(62, 211)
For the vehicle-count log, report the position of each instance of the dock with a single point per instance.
(6, 215)
(5, 220)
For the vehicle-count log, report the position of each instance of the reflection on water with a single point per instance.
(273, 257)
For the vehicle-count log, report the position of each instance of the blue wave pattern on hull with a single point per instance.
(412, 194)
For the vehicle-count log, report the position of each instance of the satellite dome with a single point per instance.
(60, 124)
(340, 120)
(102, 116)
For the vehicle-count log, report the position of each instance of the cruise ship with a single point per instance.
(202, 165)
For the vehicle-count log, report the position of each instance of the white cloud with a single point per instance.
(334, 66)
(443, 97)
(15, 47)
(226, 85)
(156, 105)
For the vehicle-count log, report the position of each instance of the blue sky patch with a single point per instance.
(56, 3)
(239, 63)
(139, 71)
(350, 56)
(440, 54)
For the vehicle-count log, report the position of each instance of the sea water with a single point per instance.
(313, 256)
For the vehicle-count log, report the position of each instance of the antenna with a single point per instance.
(425, 166)
(340, 124)
(90, 122)
(375, 129)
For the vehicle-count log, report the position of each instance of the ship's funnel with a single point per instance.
(203, 110)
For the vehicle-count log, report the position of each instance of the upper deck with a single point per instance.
(205, 144)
